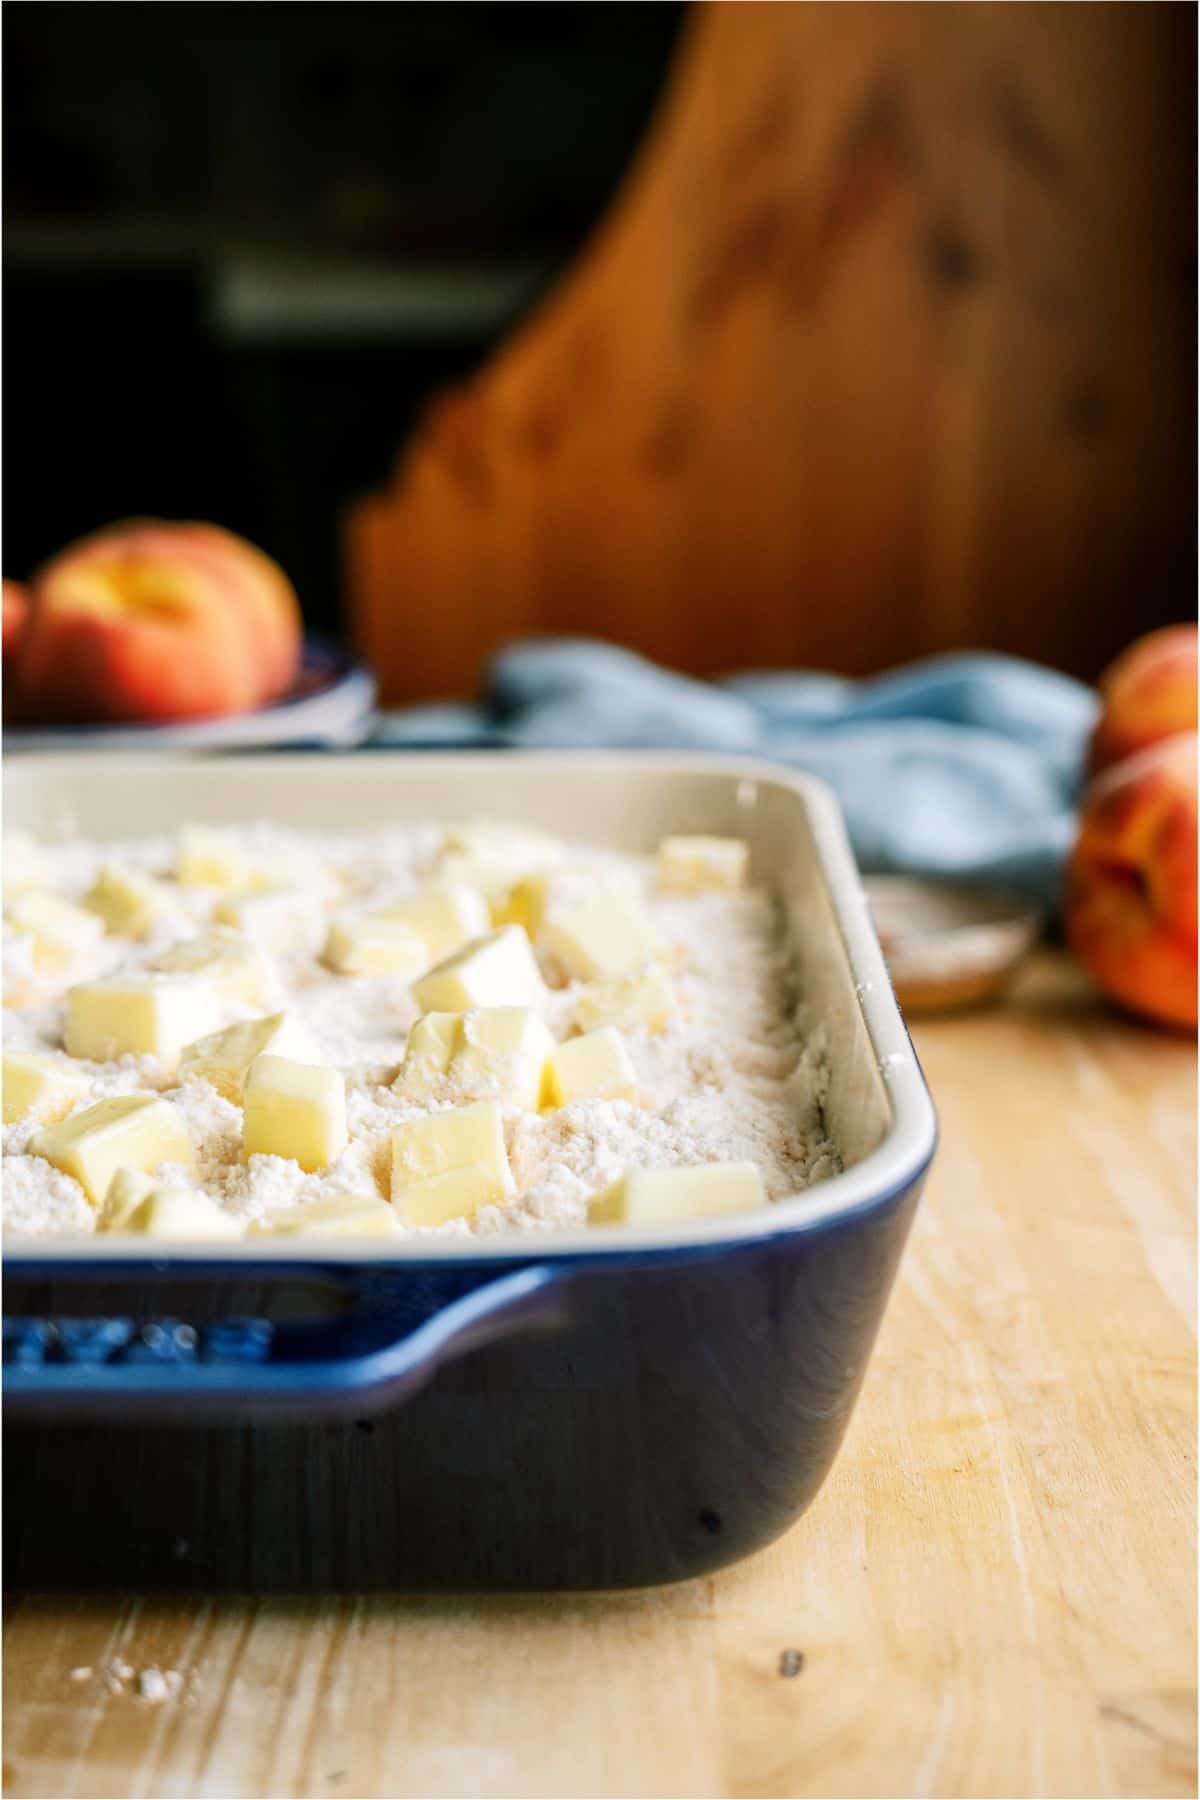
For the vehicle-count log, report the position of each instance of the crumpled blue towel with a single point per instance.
(966, 766)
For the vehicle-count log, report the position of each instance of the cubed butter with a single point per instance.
(645, 999)
(493, 880)
(497, 858)
(506, 1049)
(689, 864)
(279, 918)
(39, 1087)
(235, 968)
(462, 1137)
(295, 1110)
(223, 1057)
(525, 902)
(206, 858)
(61, 931)
(446, 917)
(130, 904)
(139, 1015)
(520, 847)
(596, 1066)
(335, 1216)
(23, 863)
(375, 945)
(126, 1191)
(605, 935)
(497, 970)
(179, 1213)
(135, 1130)
(455, 1194)
(430, 1048)
(675, 1196)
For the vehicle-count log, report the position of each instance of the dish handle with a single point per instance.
(373, 1356)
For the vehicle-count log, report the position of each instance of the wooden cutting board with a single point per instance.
(993, 1594)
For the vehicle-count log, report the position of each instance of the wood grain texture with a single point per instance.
(886, 346)
(994, 1594)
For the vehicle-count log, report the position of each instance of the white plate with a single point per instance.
(330, 706)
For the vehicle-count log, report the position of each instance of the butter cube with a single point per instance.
(24, 864)
(496, 970)
(432, 1042)
(455, 1194)
(596, 1066)
(524, 903)
(605, 935)
(645, 999)
(126, 1191)
(41, 1087)
(61, 931)
(375, 945)
(675, 1196)
(336, 1216)
(519, 847)
(496, 858)
(223, 1057)
(129, 903)
(507, 1049)
(493, 880)
(462, 1137)
(208, 859)
(295, 1110)
(178, 1213)
(444, 917)
(276, 917)
(689, 864)
(235, 968)
(139, 1015)
(138, 1130)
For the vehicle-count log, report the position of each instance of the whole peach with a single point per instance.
(1148, 693)
(154, 621)
(1130, 908)
(265, 591)
(16, 613)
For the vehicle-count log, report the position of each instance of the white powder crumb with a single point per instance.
(152, 1685)
(40, 1200)
(82, 1673)
(736, 1074)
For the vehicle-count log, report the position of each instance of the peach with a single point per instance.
(266, 589)
(16, 613)
(157, 621)
(1148, 693)
(1130, 907)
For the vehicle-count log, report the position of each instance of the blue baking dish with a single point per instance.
(605, 1409)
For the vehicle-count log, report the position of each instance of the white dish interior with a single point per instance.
(878, 1108)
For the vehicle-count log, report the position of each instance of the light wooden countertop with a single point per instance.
(993, 1594)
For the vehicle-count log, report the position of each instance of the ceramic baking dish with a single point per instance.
(587, 1409)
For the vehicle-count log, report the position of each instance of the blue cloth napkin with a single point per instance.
(961, 766)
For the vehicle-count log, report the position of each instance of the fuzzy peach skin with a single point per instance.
(1130, 908)
(16, 612)
(1147, 694)
(154, 621)
(267, 593)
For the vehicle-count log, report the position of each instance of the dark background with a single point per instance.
(243, 243)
